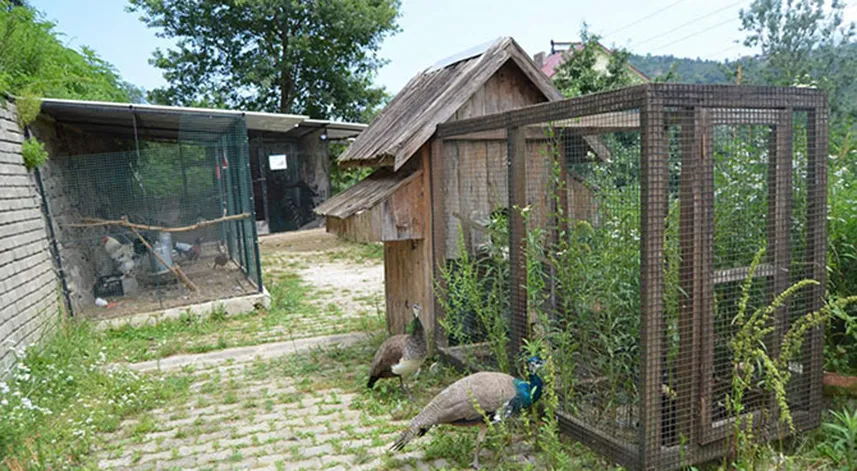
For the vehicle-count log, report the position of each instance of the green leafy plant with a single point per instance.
(840, 443)
(579, 73)
(35, 63)
(34, 153)
(755, 367)
(57, 400)
(473, 293)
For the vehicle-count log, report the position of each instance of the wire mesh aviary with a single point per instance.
(644, 234)
(164, 224)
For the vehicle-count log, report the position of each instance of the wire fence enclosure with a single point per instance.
(165, 224)
(644, 233)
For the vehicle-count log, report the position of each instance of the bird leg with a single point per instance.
(405, 389)
(479, 438)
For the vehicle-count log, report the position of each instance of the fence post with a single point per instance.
(654, 173)
(816, 243)
(517, 163)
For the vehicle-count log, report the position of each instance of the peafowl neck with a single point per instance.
(535, 384)
(417, 330)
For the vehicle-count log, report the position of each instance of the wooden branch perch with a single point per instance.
(95, 222)
(174, 267)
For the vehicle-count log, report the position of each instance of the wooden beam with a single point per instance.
(779, 220)
(427, 255)
(599, 103)
(706, 241)
(517, 155)
(437, 231)
(654, 172)
(816, 247)
(740, 274)
(731, 96)
(691, 227)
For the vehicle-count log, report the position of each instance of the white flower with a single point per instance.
(4, 402)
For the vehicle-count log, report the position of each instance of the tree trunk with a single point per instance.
(286, 78)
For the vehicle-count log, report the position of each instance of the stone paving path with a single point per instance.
(239, 416)
(235, 420)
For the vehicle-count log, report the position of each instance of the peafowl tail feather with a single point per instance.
(407, 436)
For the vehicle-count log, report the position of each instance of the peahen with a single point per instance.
(499, 396)
(401, 355)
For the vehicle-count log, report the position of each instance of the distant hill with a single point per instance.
(699, 71)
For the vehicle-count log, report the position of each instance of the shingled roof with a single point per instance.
(433, 97)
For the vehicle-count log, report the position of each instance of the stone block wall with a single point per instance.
(29, 294)
(78, 247)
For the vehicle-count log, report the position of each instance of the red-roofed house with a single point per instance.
(548, 63)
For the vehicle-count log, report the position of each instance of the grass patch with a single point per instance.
(358, 253)
(291, 308)
(59, 399)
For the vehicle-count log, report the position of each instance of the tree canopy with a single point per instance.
(289, 56)
(579, 74)
(35, 63)
(803, 42)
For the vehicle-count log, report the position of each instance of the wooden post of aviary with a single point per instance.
(691, 230)
(437, 232)
(654, 172)
(816, 245)
(517, 162)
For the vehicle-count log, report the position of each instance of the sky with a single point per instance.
(435, 29)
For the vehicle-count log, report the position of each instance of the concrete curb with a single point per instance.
(231, 306)
(245, 354)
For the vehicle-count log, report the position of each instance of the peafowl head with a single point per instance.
(535, 383)
(534, 364)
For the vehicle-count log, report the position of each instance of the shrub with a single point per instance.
(34, 153)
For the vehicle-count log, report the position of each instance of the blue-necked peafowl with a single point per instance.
(401, 355)
(499, 395)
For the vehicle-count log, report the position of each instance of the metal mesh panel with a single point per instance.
(634, 218)
(473, 245)
(132, 222)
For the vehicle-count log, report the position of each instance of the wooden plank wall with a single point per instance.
(404, 274)
(408, 263)
(364, 227)
(475, 174)
(508, 89)
(475, 170)
(470, 175)
(402, 214)
(539, 168)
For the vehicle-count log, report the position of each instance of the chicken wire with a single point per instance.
(633, 219)
(184, 206)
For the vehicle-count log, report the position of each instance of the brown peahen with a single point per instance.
(401, 355)
(499, 396)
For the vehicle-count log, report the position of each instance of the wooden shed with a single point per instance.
(425, 190)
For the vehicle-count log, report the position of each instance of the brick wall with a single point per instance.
(28, 281)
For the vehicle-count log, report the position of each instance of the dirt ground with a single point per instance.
(322, 260)
(313, 240)
(167, 292)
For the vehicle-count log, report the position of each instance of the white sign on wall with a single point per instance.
(277, 162)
